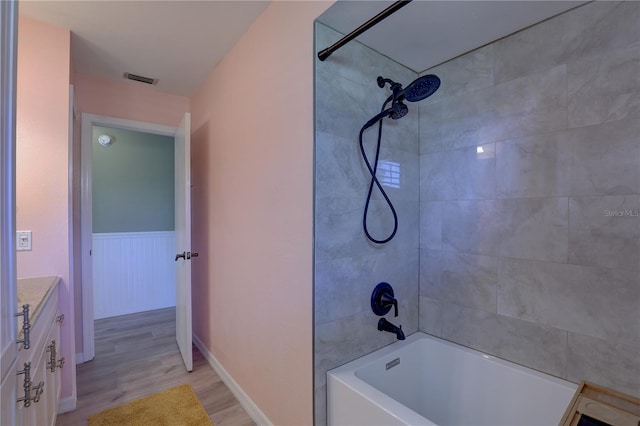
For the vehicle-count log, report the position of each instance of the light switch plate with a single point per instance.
(23, 240)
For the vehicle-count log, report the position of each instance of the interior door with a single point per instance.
(183, 239)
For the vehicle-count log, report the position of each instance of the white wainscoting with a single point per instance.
(133, 272)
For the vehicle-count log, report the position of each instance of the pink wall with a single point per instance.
(42, 163)
(128, 100)
(252, 154)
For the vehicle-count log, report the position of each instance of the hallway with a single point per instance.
(137, 355)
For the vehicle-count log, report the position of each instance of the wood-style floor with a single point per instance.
(137, 355)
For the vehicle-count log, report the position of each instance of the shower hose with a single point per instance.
(374, 180)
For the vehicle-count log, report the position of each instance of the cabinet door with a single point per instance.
(8, 397)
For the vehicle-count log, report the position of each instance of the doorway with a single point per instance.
(133, 226)
(111, 219)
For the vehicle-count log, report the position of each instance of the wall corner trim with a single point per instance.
(252, 409)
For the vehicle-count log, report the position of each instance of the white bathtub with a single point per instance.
(425, 381)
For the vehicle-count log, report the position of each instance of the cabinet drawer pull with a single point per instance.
(28, 387)
(60, 318)
(25, 326)
(51, 364)
(26, 399)
(39, 390)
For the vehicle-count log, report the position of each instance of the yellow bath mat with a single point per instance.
(177, 406)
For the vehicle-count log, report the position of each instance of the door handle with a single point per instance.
(186, 255)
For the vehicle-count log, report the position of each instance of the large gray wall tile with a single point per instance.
(603, 362)
(430, 139)
(469, 280)
(343, 106)
(339, 171)
(343, 286)
(604, 87)
(534, 228)
(431, 225)
(588, 30)
(605, 231)
(431, 316)
(338, 228)
(471, 226)
(430, 274)
(535, 346)
(380, 223)
(460, 174)
(533, 166)
(597, 302)
(525, 106)
(604, 158)
(339, 232)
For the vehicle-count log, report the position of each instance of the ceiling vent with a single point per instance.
(140, 78)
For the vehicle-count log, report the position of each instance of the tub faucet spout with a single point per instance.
(384, 325)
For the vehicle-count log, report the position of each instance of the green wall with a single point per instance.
(132, 182)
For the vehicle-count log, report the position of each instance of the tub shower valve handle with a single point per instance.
(394, 302)
(382, 299)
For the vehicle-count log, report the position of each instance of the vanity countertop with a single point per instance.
(34, 292)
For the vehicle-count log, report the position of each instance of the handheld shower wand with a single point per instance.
(397, 110)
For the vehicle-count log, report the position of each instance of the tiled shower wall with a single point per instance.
(347, 266)
(529, 198)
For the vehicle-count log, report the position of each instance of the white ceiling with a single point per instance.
(426, 33)
(179, 42)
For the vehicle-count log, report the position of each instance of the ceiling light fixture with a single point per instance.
(105, 140)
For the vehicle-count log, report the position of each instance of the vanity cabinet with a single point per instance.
(41, 362)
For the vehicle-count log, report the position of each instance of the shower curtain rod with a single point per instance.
(325, 53)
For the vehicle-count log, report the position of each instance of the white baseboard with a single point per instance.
(67, 404)
(252, 409)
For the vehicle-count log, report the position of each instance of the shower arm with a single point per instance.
(325, 53)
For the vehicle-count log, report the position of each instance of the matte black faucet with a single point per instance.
(384, 325)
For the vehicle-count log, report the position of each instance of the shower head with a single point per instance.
(419, 89)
